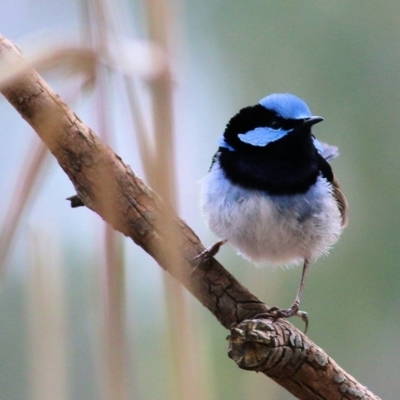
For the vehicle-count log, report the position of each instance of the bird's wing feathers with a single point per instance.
(341, 201)
(329, 152)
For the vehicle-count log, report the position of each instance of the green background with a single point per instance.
(343, 59)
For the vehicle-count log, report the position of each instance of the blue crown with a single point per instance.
(286, 105)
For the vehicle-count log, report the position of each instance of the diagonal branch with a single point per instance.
(110, 188)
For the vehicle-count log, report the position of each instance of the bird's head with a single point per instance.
(272, 119)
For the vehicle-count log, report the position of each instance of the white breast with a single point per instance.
(277, 230)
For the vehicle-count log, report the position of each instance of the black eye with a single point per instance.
(274, 124)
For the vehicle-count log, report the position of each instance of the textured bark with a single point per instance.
(292, 360)
(110, 188)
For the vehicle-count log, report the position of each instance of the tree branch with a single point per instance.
(105, 184)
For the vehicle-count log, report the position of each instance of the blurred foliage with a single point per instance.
(343, 59)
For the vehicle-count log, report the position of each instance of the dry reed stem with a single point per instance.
(27, 184)
(187, 378)
(114, 347)
(46, 313)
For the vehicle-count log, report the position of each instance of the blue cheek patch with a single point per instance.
(262, 136)
(318, 145)
(327, 151)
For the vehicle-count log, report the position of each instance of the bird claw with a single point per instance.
(276, 313)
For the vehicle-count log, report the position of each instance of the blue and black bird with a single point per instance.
(270, 191)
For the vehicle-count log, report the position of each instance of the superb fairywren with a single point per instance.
(270, 191)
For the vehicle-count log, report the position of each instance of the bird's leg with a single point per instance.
(207, 254)
(276, 313)
(296, 305)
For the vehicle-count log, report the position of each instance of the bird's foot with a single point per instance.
(206, 255)
(276, 313)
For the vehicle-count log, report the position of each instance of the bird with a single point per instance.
(270, 191)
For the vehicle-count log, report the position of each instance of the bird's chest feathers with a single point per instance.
(245, 210)
(277, 228)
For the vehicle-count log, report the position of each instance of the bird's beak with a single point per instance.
(311, 121)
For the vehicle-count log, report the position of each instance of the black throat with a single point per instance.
(285, 167)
